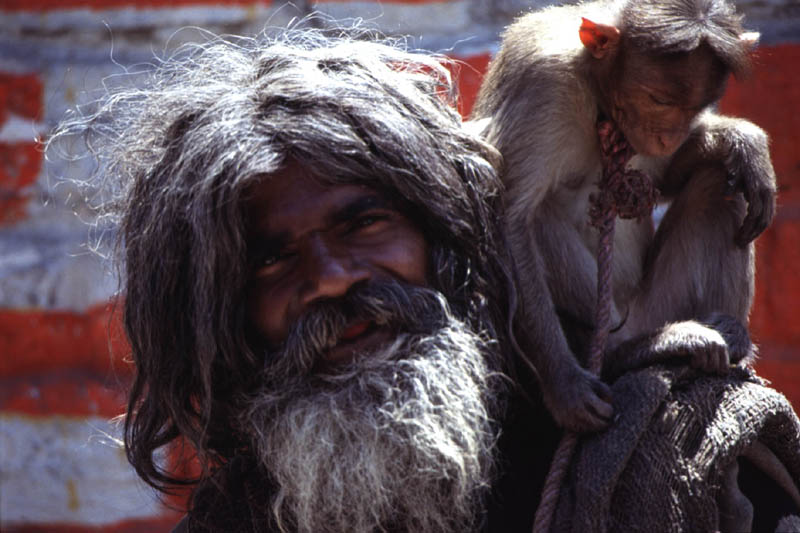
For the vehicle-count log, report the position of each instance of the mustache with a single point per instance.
(398, 306)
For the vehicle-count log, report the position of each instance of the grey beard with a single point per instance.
(398, 440)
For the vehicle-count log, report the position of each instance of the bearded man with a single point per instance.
(315, 290)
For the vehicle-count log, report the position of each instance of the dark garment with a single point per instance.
(527, 442)
(230, 501)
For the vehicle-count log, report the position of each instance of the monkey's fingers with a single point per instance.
(590, 415)
(581, 418)
(588, 420)
(760, 211)
(599, 405)
(603, 391)
(712, 358)
(722, 361)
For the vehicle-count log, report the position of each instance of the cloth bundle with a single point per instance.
(661, 465)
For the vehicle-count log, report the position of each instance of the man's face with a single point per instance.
(310, 242)
(399, 439)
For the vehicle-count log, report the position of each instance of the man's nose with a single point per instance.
(329, 271)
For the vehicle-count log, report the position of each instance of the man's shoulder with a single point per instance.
(526, 444)
(182, 526)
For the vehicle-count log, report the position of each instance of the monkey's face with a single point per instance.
(656, 99)
(653, 122)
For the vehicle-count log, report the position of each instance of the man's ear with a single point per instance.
(599, 39)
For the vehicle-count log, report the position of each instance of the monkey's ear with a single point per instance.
(599, 39)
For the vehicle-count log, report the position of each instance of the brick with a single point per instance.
(20, 94)
(469, 76)
(69, 471)
(385, 1)
(53, 5)
(770, 97)
(776, 313)
(154, 525)
(20, 164)
(66, 393)
(783, 374)
(40, 341)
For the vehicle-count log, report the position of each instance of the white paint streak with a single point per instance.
(66, 470)
(18, 129)
(131, 17)
(434, 18)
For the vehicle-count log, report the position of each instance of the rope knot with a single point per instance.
(623, 193)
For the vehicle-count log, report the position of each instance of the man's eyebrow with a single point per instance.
(273, 243)
(266, 245)
(357, 206)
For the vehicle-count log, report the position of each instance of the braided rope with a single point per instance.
(623, 193)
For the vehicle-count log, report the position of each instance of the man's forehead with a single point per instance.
(293, 198)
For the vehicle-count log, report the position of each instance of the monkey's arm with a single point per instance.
(742, 148)
(709, 345)
(577, 400)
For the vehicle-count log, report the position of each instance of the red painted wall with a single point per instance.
(771, 99)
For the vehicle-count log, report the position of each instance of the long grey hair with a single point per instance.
(181, 149)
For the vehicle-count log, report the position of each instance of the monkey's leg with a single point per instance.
(570, 268)
(578, 400)
(694, 267)
(698, 284)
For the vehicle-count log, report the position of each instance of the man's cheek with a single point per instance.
(408, 259)
(266, 312)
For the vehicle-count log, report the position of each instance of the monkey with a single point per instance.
(656, 68)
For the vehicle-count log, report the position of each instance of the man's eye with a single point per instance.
(367, 221)
(660, 101)
(269, 260)
(270, 263)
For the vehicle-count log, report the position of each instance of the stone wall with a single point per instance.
(62, 354)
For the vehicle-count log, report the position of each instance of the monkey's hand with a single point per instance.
(704, 346)
(742, 148)
(578, 400)
(741, 349)
(750, 171)
(711, 345)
